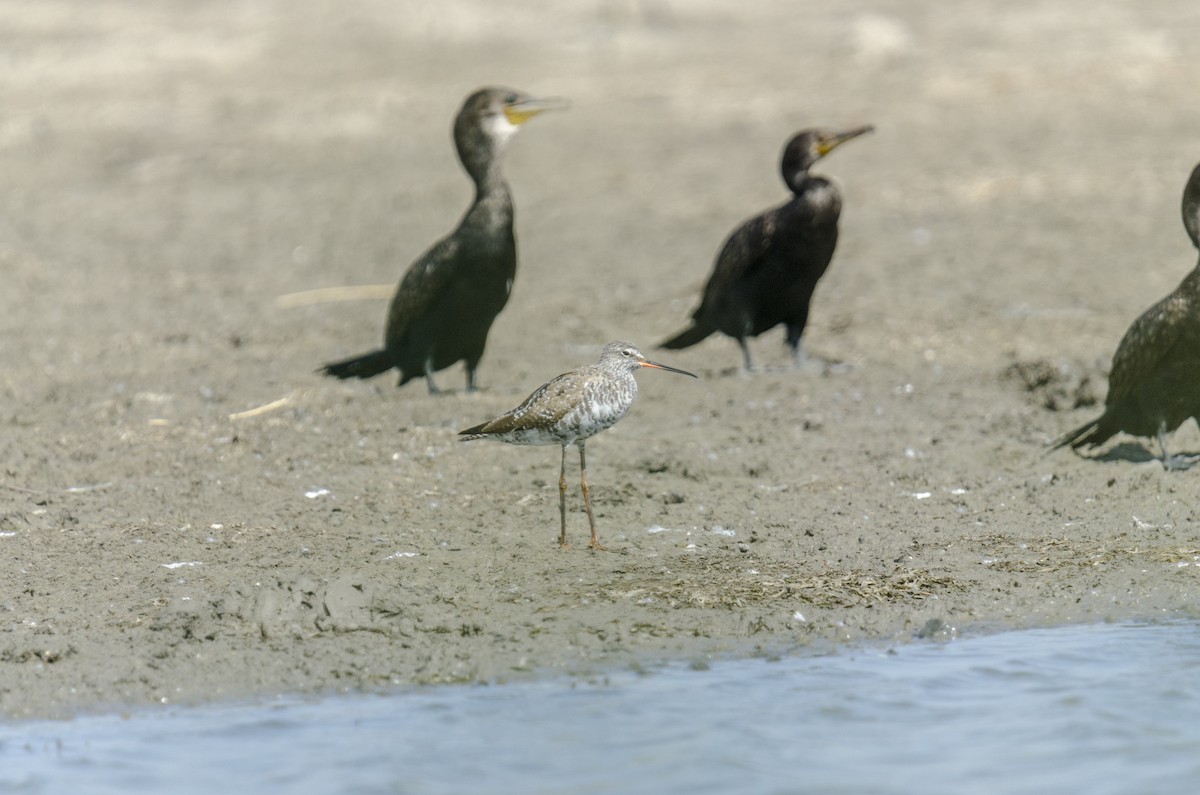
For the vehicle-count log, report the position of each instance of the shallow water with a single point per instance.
(1097, 709)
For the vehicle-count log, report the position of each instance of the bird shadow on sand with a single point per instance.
(813, 368)
(1130, 452)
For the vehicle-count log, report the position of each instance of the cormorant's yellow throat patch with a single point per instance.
(516, 115)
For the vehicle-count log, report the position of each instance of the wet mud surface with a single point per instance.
(189, 512)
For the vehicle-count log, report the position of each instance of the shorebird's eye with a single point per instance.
(511, 99)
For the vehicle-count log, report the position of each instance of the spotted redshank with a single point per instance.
(571, 408)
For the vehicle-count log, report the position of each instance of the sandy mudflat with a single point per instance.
(172, 169)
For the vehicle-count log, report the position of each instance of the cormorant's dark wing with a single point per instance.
(742, 255)
(426, 284)
(1147, 342)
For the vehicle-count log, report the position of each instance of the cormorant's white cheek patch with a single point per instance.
(500, 127)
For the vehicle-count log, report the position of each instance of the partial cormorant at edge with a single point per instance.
(769, 267)
(449, 297)
(1154, 382)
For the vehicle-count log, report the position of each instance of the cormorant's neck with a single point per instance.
(1191, 283)
(818, 193)
(482, 156)
(493, 203)
(481, 148)
(796, 180)
(490, 183)
(1191, 208)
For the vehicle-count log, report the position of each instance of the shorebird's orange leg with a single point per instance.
(587, 496)
(562, 499)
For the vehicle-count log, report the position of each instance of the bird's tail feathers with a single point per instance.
(688, 337)
(1087, 434)
(364, 366)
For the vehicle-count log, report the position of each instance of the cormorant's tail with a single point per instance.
(365, 366)
(688, 337)
(1089, 434)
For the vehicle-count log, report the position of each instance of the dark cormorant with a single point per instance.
(450, 296)
(1154, 383)
(768, 268)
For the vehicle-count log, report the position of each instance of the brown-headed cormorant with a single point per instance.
(1154, 383)
(450, 296)
(768, 268)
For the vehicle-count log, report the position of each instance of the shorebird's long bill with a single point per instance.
(657, 366)
(526, 108)
(827, 145)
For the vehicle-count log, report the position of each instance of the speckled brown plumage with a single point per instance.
(450, 296)
(769, 267)
(571, 408)
(1154, 383)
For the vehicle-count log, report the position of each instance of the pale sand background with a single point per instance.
(171, 169)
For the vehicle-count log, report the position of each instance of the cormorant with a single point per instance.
(451, 294)
(1154, 382)
(768, 268)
